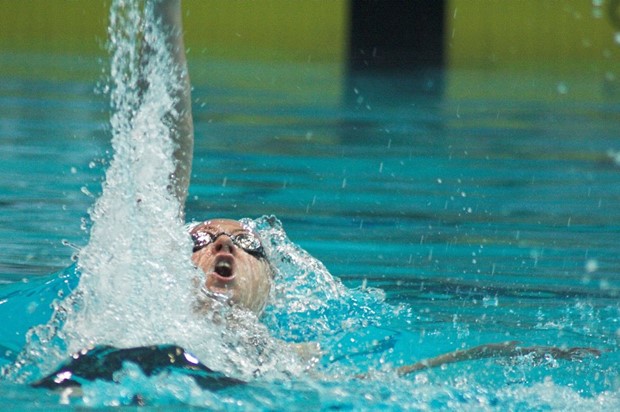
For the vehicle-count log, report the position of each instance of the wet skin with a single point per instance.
(231, 273)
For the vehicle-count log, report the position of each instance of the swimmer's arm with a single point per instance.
(510, 349)
(169, 11)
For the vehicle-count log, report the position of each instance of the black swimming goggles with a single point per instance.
(247, 241)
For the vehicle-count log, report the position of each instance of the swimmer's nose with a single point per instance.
(223, 244)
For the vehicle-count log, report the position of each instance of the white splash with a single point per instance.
(132, 265)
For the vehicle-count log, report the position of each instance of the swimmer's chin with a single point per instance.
(221, 295)
(213, 300)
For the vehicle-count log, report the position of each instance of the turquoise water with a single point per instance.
(450, 223)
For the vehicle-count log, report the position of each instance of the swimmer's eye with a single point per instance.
(201, 240)
(250, 243)
(245, 240)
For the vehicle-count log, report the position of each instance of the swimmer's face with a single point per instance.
(233, 261)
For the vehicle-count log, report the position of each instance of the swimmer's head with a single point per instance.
(234, 263)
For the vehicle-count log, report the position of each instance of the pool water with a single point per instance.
(446, 222)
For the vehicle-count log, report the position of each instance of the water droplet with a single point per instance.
(32, 307)
(591, 265)
(87, 192)
(562, 88)
(489, 301)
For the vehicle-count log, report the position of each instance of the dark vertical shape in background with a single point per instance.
(395, 45)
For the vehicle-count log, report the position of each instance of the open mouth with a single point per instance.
(224, 269)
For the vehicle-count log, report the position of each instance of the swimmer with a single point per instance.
(231, 256)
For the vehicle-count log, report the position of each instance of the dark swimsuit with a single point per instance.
(101, 362)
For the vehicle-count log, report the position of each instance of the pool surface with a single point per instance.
(450, 223)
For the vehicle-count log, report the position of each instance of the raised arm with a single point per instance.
(169, 13)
